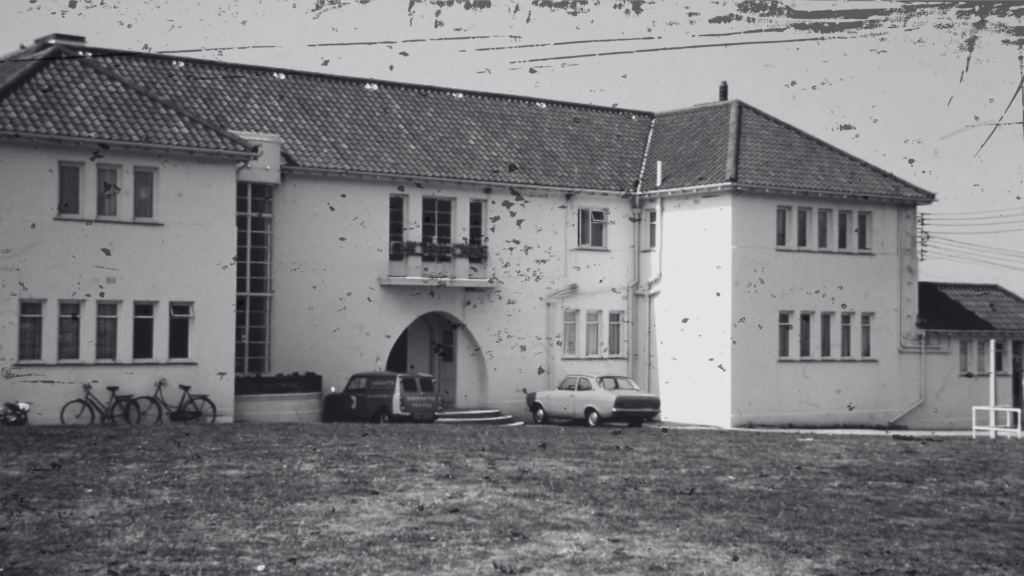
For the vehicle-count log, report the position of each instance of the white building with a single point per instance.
(746, 271)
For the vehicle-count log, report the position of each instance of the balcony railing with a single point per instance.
(433, 252)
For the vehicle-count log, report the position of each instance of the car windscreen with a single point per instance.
(617, 383)
(409, 385)
(357, 384)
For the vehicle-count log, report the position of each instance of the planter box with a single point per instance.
(302, 407)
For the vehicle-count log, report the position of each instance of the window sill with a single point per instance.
(973, 375)
(825, 251)
(98, 363)
(593, 248)
(107, 220)
(593, 357)
(851, 359)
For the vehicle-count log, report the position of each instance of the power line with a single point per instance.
(944, 217)
(995, 257)
(939, 237)
(958, 258)
(974, 212)
(1000, 223)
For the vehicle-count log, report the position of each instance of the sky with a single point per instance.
(928, 91)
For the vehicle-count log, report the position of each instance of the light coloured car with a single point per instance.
(594, 399)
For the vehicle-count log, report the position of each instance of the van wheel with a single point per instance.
(636, 423)
(539, 415)
(593, 418)
(382, 417)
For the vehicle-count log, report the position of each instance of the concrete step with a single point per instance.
(489, 417)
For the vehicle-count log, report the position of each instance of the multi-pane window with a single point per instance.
(965, 348)
(106, 330)
(69, 329)
(178, 340)
(823, 222)
(476, 228)
(144, 180)
(593, 332)
(569, 327)
(865, 335)
(69, 189)
(106, 191)
(254, 221)
(805, 335)
(999, 356)
(801, 227)
(252, 334)
(396, 226)
(845, 335)
(826, 335)
(591, 229)
(982, 356)
(30, 331)
(437, 230)
(844, 230)
(863, 230)
(615, 333)
(784, 329)
(652, 229)
(142, 331)
(447, 345)
(781, 215)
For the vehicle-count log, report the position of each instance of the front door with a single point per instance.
(1018, 375)
(446, 367)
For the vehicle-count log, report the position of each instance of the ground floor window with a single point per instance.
(106, 330)
(180, 322)
(569, 327)
(615, 333)
(30, 331)
(142, 333)
(68, 331)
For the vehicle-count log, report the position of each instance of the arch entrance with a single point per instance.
(437, 343)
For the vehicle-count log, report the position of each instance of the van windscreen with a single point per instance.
(357, 384)
(427, 384)
(409, 385)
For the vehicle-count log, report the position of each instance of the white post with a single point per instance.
(992, 387)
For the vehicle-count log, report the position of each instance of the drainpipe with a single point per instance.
(631, 289)
(992, 388)
(920, 378)
(654, 279)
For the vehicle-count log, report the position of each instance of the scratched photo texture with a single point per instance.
(502, 196)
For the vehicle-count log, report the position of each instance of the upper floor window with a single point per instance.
(824, 219)
(592, 228)
(652, 229)
(437, 230)
(477, 214)
(826, 335)
(396, 226)
(965, 348)
(803, 216)
(107, 190)
(145, 180)
(863, 230)
(70, 177)
(781, 216)
(30, 331)
(805, 334)
(843, 237)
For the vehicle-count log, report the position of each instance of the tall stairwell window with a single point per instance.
(254, 219)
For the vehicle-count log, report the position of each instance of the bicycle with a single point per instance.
(82, 412)
(196, 408)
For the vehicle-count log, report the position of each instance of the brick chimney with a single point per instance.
(64, 39)
(723, 91)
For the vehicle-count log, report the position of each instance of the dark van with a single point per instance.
(384, 397)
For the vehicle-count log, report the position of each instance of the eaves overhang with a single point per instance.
(105, 144)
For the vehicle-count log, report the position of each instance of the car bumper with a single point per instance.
(626, 414)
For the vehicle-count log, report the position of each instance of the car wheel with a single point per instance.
(539, 415)
(636, 423)
(593, 418)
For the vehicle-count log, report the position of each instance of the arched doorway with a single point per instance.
(437, 343)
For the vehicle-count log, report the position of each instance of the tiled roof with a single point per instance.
(366, 126)
(338, 123)
(969, 307)
(697, 145)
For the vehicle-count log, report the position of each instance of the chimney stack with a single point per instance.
(65, 39)
(723, 91)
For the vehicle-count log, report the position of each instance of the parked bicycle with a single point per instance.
(196, 408)
(15, 413)
(82, 412)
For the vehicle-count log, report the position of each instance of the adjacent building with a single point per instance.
(194, 220)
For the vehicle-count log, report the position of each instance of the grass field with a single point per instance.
(355, 499)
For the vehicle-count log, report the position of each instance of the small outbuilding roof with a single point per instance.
(948, 307)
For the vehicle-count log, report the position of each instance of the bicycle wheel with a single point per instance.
(145, 410)
(77, 413)
(118, 412)
(201, 411)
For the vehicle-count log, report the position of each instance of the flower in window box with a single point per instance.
(413, 248)
(398, 249)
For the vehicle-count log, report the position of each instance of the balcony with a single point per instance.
(461, 265)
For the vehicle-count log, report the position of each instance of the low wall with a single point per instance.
(304, 407)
